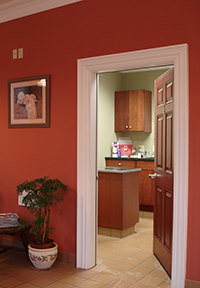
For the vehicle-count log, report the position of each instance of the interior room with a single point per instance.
(142, 142)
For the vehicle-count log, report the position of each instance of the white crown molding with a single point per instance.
(14, 9)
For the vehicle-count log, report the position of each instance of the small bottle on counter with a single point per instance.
(118, 152)
(139, 154)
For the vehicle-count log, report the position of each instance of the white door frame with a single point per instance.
(87, 146)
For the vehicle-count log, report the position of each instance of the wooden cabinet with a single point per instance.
(133, 111)
(146, 184)
(118, 199)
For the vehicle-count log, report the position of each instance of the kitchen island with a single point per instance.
(118, 201)
(146, 198)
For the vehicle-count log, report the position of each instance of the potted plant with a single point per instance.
(41, 194)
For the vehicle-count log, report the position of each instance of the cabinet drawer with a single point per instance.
(120, 163)
(146, 165)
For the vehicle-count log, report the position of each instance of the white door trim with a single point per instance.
(87, 146)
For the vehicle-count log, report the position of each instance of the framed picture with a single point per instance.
(28, 102)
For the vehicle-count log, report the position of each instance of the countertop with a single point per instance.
(118, 170)
(130, 159)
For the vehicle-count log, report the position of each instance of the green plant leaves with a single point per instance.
(42, 193)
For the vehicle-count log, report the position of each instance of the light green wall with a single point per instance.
(108, 84)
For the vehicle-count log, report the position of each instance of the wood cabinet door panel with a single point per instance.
(146, 192)
(136, 110)
(133, 111)
(121, 111)
(146, 165)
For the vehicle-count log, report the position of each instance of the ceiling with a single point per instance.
(13, 9)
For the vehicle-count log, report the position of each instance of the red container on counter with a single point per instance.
(125, 150)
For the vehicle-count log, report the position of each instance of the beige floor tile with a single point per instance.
(98, 268)
(107, 262)
(28, 275)
(55, 274)
(117, 245)
(140, 285)
(165, 284)
(133, 261)
(106, 240)
(110, 250)
(118, 266)
(160, 268)
(143, 255)
(3, 277)
(41, 281)
(12, 270)
(26, 285)
(116, 257)
(125, 253)
(141, 270)
(119, 282)
(132, 249)
(90, 284)
(131, 276)
(101, 254)
(85, 273)
(153, 259)
(66, 269)
(150, 281)
(150, 264)
(103, 278)
(58, 285)
(123, 266)
(10, 282)
(72, 280)
(159, 274)
(113, 272)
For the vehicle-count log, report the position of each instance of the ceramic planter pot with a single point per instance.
(43, 258)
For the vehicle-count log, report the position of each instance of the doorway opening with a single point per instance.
(108, 84)
(87, 159)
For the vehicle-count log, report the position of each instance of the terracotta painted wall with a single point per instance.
(52, 42)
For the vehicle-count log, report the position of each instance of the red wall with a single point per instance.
(52, 42)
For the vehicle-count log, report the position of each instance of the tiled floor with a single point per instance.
(126, 262)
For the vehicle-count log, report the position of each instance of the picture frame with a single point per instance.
(29, 102)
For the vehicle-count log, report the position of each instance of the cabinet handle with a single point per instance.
(130, 127)
(120, 164)
(153, 176)
(126, 127)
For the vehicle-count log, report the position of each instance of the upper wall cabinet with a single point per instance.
(133, 111)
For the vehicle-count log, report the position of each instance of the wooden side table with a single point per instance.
(12, 231)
